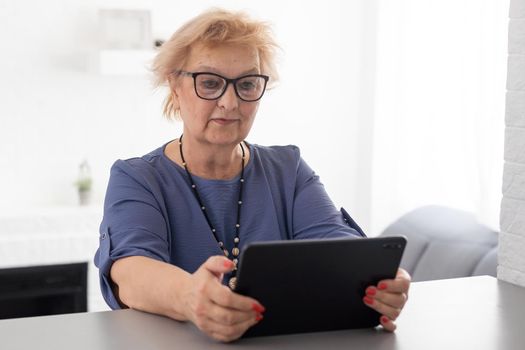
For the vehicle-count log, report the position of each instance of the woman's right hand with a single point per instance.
(214, 308)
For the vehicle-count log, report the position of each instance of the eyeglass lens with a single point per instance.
(249, 88)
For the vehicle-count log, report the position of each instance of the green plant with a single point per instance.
(84, 185)
(84, 181)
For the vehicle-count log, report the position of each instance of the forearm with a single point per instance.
(150, 285)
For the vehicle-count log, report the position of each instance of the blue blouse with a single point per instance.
(150, 210)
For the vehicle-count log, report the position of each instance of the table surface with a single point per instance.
(465, 313)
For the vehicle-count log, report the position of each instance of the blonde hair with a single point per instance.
(215, 26)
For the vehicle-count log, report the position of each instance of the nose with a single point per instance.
(229, 100)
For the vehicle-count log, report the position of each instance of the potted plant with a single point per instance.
(84, 184)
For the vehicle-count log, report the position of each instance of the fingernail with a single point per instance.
(384, 319)
(258, 308)
(371, 291)
(258, 317)
(382, 286)
(368, 300)
(228, 264)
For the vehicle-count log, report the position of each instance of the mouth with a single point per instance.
(224, 121)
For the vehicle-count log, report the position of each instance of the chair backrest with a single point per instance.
(445, 243)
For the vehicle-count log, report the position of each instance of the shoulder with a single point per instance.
(278, 154)
(141, 169)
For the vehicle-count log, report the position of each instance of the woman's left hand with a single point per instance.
(388, 298)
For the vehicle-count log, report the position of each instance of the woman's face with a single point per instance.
(227, 120)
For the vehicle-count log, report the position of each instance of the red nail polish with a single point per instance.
(382, 286)
(259, 317)
(384, 319)
(368, 300)
(371, 291)
(228, 264)
(258, 308)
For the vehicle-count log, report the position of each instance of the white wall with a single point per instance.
(511, 256)
(439, 107)
(56, 109)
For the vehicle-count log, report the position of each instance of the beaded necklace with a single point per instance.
(235, 250)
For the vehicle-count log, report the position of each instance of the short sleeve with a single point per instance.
(133, 223)
(314, 214)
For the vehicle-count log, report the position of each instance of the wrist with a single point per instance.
(179, 309)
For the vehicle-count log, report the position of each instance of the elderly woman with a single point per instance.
(176, 219)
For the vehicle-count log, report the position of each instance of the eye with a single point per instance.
(210, 83)
(247, 84)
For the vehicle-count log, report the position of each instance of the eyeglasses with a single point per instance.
(211, 86)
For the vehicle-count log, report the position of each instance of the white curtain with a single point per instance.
(439, 107)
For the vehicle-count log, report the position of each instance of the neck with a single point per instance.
(211, 161)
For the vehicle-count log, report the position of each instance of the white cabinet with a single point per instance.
(54, 235)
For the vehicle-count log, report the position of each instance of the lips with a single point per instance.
(224, 121)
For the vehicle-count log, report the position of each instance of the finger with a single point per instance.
(226, 333)
(230, 317)
(225, 297)
(387, 324)
(400, 284)
(382, 308)
(403, 273)
(218, 265)
(395, 300)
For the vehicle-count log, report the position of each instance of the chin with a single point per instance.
(225, 140)
(226, 137)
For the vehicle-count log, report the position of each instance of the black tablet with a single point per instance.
(316, 285)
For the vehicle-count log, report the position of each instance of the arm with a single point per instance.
(133, 258)
(150, 285)
(314, 214)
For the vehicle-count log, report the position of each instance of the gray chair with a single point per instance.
(445, 243)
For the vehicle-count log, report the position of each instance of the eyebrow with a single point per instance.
(210, 69)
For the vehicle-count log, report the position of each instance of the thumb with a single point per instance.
(218, 265)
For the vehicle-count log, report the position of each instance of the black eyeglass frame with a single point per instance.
(228, 81)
